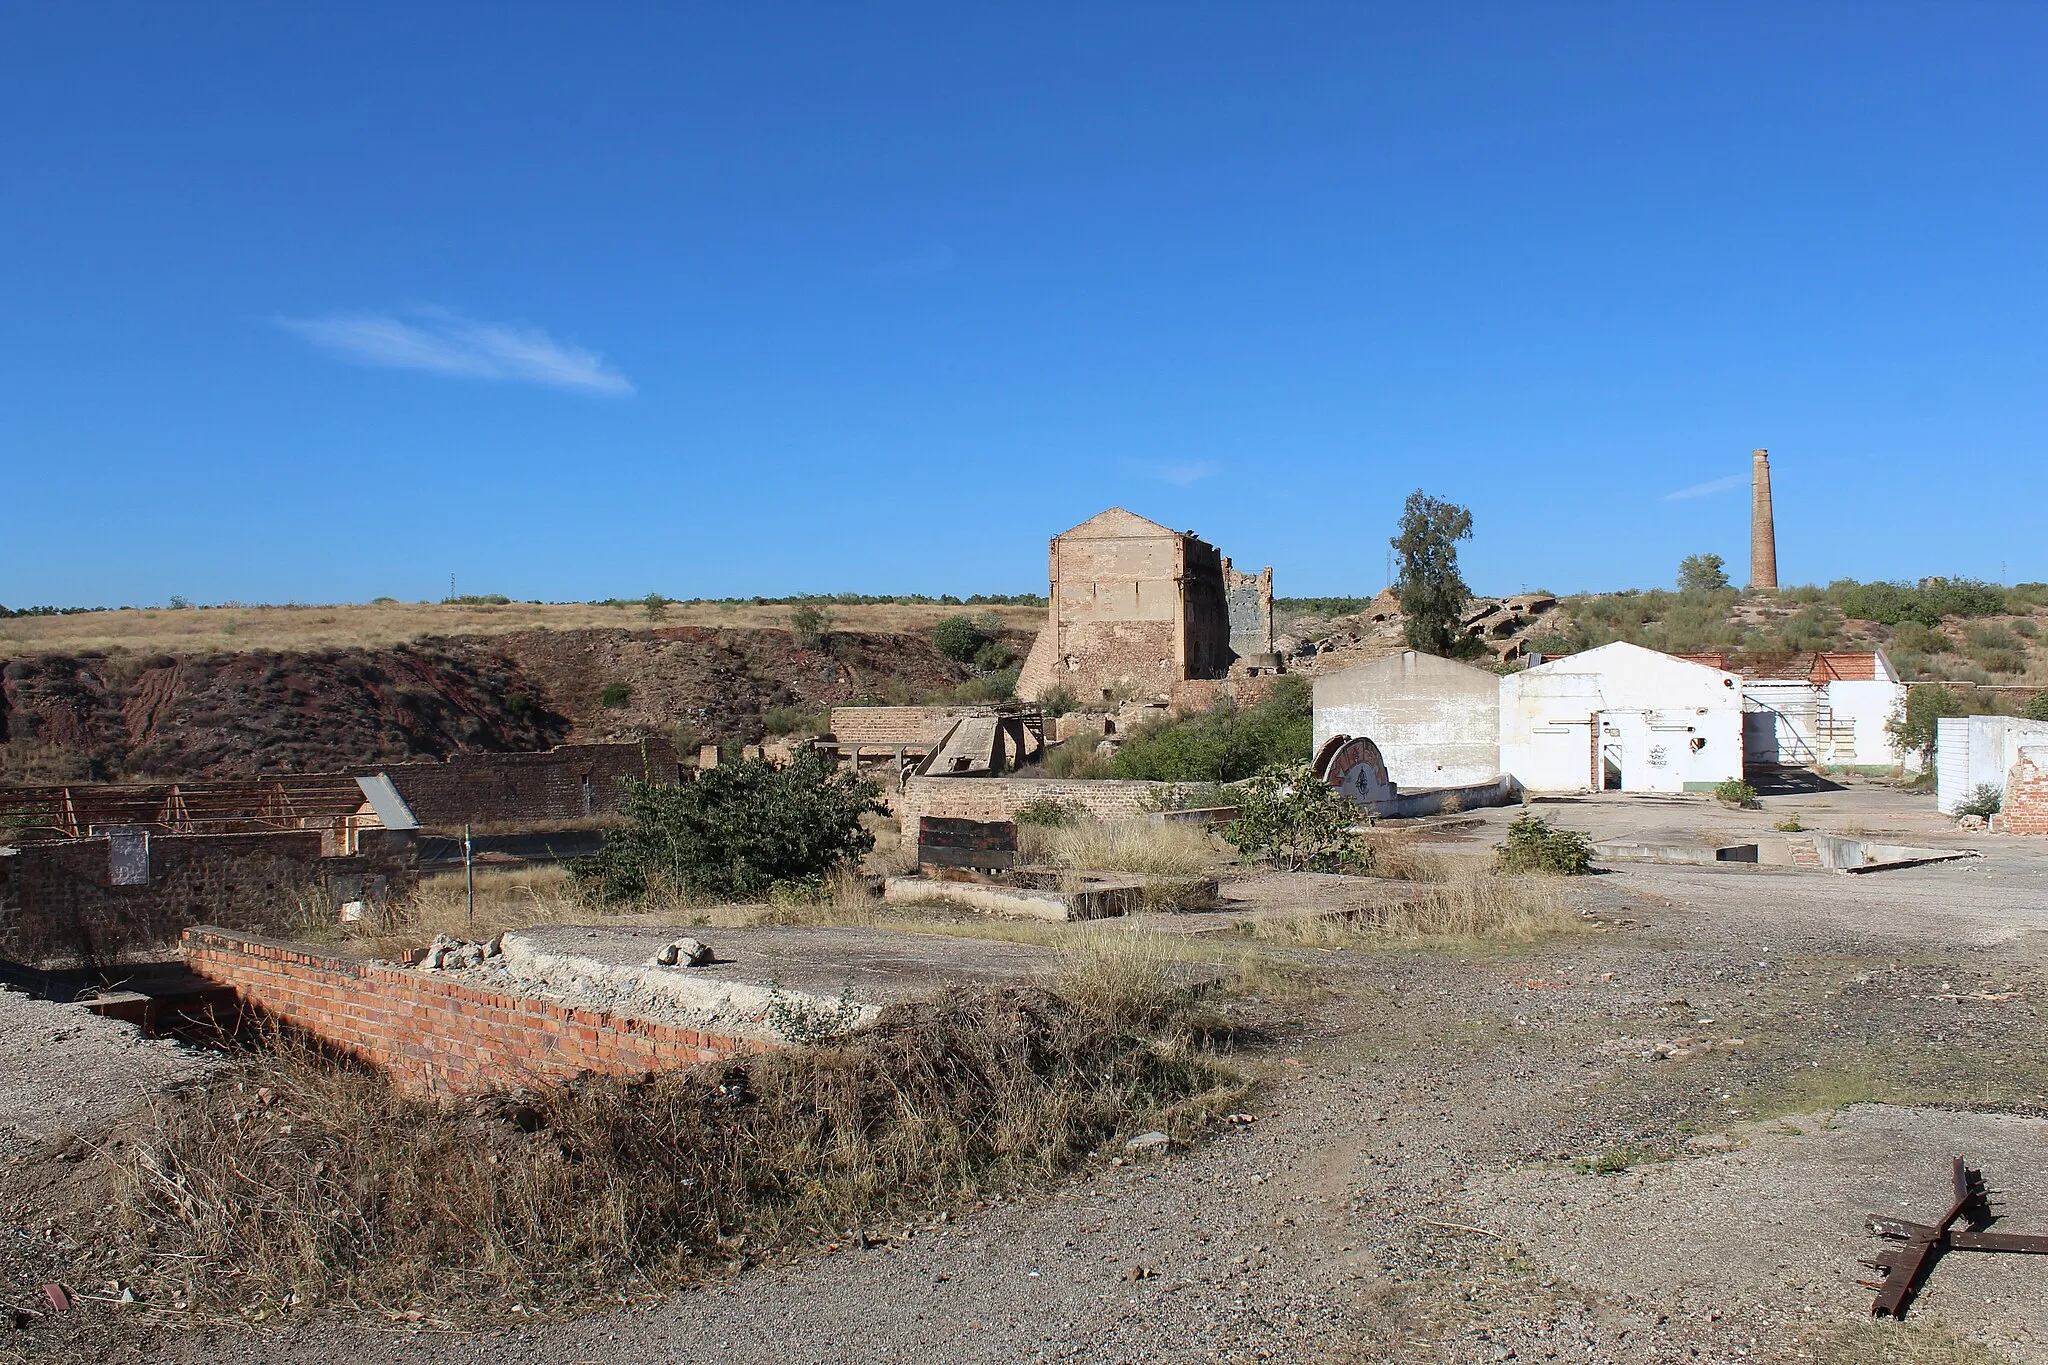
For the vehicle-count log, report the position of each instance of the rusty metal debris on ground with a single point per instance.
(1902, 1269)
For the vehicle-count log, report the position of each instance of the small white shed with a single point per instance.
(1621, 718)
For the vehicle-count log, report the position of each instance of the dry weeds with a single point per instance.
(302, 1184)
(1467, 906)
(202, 630)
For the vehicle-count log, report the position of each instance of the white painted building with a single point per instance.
(1623, 718)
(1978, 751)
(1822, 710)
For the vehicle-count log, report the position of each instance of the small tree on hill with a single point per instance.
(960, 638)
(1913, 724)
(1702, 573)
(1432, 593)
(809, 623)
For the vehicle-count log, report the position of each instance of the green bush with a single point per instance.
(993, 656)
(809, 624)
(2036, 707)
(1057, 700)
(1077, 758)
(1985, 801)
(1289, 818)
(1736, 792)
(735, 832)
(1911, 637)
(1046, 812)
(615, 695)
(960, 638)
(1535, 845)
(795, 720)
(1912, 724)
(1227, 744)
(1926, 602)
(655, 605)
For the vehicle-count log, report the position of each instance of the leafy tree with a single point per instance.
(960, 638)
(1912, 725)
(656, 606)
(736, 831)
(1297, 823)
(1702, 573)
(615, 695)
(1432, 593)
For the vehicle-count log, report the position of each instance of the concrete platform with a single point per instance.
(814, 969)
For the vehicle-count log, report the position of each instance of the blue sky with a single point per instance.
(317, 303)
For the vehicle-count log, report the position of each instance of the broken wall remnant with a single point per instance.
(1135, 608)
(77, 899)
(2025, 809)
(1974, 752)
(435, 1032)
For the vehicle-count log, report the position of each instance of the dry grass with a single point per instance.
(300, 1182)
(505, 900)
(1897, 1343)
(203, 630)
(1469, 906)
(1134, 846)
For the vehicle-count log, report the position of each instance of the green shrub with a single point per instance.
(1986, 801)
(615, 695)
(1289, 818)
(1535, 845)
(734, 832)
(2036, 707)
(1987, 635)
(1926, 602)
(1046, 812)
(1813, 627)
(1077, 758)
(795, 720)
(1702, 573)
(1912, 724)
(1736, 792)
(2002, 661)
(1227, 744)
(959, 638)
(655, 605)
(993, 656)
(1911, 637)
(809, 624)
(1057, 700)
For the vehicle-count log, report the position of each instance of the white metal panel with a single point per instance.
(1951, 762)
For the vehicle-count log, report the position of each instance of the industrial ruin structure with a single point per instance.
(1763, 536)
(1135, 608)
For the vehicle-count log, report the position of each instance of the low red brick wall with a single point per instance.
(440, 1033)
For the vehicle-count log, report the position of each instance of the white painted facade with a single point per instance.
(1621, 717)
(1435, 721)
(1978, 751)
(1839, 723)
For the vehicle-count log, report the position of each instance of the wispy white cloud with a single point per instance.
(1180, 475)
(441, 342)
(1707, 489)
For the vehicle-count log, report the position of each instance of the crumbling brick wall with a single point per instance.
(59, 901)
(437, 1033)
(886, 725)
(567, 782)
(2025, 810)
(998, 798)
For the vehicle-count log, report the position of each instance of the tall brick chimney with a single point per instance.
(1763, 539)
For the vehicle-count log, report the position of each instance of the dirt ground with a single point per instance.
(1654, 1139)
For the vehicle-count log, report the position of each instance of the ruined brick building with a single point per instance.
(1135, 608)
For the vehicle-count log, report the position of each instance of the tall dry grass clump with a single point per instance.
(1171, 857)
(1465, 904)
(310, 1179)
(1124, 975)
(506, 899)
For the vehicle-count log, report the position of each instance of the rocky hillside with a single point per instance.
(114, 714)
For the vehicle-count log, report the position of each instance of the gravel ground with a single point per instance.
(1649, 1142)
(68, 1072)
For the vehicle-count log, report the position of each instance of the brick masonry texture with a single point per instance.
(58, 901)
(887, 725)
(998, 798)
(567, 782)
(2025, 810)
(440, 1034)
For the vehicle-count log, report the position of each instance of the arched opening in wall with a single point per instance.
(1321, 766)
(1108, 726)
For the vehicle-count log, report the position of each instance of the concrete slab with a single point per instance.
(805, 968)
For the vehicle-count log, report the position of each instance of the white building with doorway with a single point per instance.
(1827, 710)
(1621, 718)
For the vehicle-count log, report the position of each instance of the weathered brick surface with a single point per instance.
(440, 1033)
(567, 782)
(886, 725)
(2025, 810)
(998, 798)
(58, 901)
